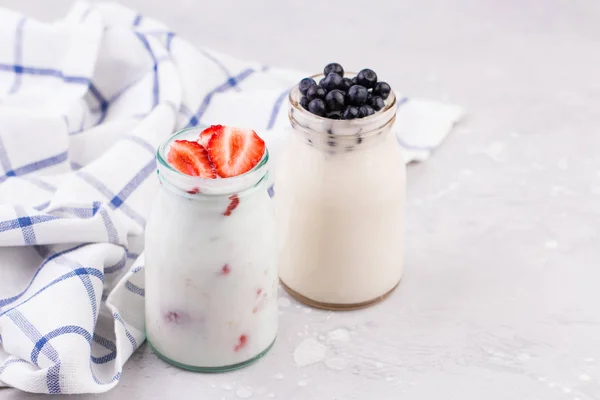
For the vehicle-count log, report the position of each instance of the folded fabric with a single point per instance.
(84, 102)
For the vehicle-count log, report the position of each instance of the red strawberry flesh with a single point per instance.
(235, 151)
(226, 269)
(206, 134)
(243, 339)
(191, 159)
(234, 202)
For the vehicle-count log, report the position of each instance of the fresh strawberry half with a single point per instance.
(191, 159)
(206, 134)
(235, 151)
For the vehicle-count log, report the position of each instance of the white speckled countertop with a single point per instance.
(500, 299)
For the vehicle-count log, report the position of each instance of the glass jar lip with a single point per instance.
(295, 89)
(217, 186)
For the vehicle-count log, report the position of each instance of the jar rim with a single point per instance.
(205, 186)
(385, 115)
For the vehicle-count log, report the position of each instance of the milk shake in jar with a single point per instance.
(339, 192)
(211, 251)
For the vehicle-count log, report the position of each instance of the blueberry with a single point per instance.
(305, 84)
(317, 107)
(315, 92)
(346, 84)
(382, 89)
(350, 112)
(331, 81)
(335, 68)
(357, 95)
(377, 103)
(334, 100)
(367, 78)
(334, 115)
(365, 111)
(369, 97)
(353, 80)
(304, 102)
(321, 82)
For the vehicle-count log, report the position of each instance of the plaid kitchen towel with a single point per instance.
(83, 104)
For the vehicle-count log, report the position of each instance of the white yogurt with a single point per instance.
(211, 278)
(339, 194)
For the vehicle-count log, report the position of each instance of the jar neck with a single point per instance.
(198, 188)
(340, 135)
(328, 141)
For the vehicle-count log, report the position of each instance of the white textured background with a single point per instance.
(501, 295)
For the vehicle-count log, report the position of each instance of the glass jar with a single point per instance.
(211, 267)
(339, 194)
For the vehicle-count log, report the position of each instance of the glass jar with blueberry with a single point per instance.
(339, 192)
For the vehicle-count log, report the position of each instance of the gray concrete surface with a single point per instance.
(500, 299)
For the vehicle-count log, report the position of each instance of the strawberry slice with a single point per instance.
(191, 159)
(235, 151)
(235, 201)
(242, 341)
(206, 134)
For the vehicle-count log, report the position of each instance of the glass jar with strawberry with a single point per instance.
(339, 191)
(211, 251)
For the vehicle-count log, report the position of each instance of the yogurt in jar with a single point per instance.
(211, 267)
(339, 194)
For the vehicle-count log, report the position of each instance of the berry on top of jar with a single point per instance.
(339, 97)
(220, 151)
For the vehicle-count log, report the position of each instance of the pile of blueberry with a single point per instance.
(336, 97)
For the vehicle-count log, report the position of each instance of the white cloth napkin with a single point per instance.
(83, 104)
